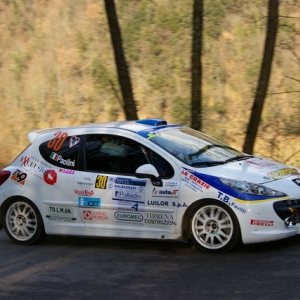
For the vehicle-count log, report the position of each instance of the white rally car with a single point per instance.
(146, 179)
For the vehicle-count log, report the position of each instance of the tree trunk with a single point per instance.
(264, 77)
(196, 65)
(122, 69)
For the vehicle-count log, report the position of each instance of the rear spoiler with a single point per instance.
(34, 134)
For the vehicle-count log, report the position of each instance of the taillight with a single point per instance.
(4, 176)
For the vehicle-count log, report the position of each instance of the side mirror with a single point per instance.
(149, 171)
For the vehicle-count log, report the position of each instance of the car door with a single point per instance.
(109, 195)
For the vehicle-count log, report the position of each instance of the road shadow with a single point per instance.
(291, 244)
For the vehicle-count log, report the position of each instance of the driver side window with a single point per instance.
(115, 154)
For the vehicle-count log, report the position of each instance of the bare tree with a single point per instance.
(121, 65)
(196, 65)
(265, 71)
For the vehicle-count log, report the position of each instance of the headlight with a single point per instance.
(251, 188)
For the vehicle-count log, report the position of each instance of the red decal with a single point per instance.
(25, 161)
(261, 223)
(50, 177)
(92, 215)
(57, 142)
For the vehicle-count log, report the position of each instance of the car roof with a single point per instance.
(134, 126)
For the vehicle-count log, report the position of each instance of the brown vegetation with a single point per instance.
(57, 69)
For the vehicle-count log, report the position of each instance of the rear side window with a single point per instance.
(61, 151)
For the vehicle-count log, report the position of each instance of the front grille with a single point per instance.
(288, 208)
(290, 202)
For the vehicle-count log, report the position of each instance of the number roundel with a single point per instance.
(101, 182)
(57, 142)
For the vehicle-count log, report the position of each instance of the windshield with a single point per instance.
(193, 147)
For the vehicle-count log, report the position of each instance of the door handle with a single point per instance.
(84, 182)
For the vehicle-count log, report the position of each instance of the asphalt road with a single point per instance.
(74, 268)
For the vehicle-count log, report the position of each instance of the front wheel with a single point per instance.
(23, 223)
(214, 227)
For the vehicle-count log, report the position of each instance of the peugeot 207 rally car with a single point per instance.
(146, 179)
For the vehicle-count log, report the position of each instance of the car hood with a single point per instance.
(255, 169)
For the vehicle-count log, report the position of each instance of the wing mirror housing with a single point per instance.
(149, 171)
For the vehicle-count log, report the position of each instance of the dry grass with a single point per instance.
(57, 66)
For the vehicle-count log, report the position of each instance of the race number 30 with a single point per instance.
(57, 142)
(101, 182)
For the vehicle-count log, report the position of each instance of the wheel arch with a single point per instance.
(7, 202)
(185, 225)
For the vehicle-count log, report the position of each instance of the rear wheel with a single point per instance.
(23, 223)
(214, 227)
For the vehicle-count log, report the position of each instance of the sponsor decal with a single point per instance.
(74, 140)
(127, 205)
(179, 204)
(54, 156)
(66, 171)
(128, 216)
(36, 167)
(50, 177)
(194, 182)
(261, 223)
(57, 141)
(58, 210)
(94, 215)
(25, 161)
(61, 160)
(259, 164)
(129, 200)
(101, 182)
(171, 183)
(282, 173)
(135, 207)
(226, 199)
(31, 162)
(60, 213)
(128, 181)
(19, 177)
(297, 181)
(89, 202)
(126, 184)
(127, 195)
(158, 203)
(84, 192)
(251, 162)
(165, 193)
(159, 219)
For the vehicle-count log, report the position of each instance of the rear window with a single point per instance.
(61, 151)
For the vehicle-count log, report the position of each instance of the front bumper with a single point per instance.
(288, 211)
(270, 221)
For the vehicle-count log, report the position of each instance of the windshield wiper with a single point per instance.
(208, 163)
(238, 158)
(221, 162)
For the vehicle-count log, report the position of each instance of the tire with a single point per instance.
(214, 227)
(23, 223)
